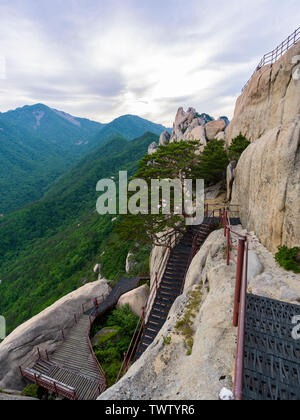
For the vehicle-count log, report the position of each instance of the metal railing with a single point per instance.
(240, 298)
(128, 356)
(271, 57)
(44, 381)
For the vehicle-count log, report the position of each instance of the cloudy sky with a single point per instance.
(104, 58)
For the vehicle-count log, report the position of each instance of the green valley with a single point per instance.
(49, 247)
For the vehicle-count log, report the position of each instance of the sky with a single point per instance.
(100, 59)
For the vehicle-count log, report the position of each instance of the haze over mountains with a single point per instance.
(38, 144)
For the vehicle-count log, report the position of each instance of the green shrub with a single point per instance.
(31, 391)
(238, 146)
(112, 345)
(286, 257)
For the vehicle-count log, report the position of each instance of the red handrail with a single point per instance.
(240, 299)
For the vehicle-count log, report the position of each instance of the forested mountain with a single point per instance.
(28, 165)
(130, 127)
(57, 127)
(48, 248)
(38, 144)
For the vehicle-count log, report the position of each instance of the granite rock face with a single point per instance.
(267, 178)
(267, 187)
(271, 99)
(43, 331)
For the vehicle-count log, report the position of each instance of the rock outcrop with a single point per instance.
(164, 138)
(130, 262)
(136, 299)
(43, 331)
(267, 179)
(165, 371)
(214, 128)
(152, 148)
(230, 175)
(271, 99)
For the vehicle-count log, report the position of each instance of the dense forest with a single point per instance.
(49, 247)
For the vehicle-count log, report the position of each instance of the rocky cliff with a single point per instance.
(267, 178)
(190, 125)
(43, 331)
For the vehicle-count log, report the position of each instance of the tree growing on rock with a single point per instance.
(213, 162)
(176, 161)
(238, 145)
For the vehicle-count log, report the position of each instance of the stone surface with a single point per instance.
(213, 128)
(152, 148)
(267, 187)
(267, 179)
(165, 371)
(211, 193)
(221, 135)
(255, 267)
(136, 299)
(10, 397)
(230, 175)
(271, 99)
(130, 262)
(164, 138)
(43, 331)
(273, 282)
(181, 123)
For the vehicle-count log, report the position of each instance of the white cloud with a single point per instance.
(101, 60)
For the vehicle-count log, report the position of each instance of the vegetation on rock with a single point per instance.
(111, 346)
(238, 145)
(288, 258)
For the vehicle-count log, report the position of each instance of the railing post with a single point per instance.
(21, 370)
(39, 353)
(55, 387)
(47, 355)
(228, 247)
(75, 317)
(225, 222)
(239, 276)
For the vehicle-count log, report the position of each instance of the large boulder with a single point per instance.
(198, 133)
(43, 331)
(213, 128)
(136, 299)
(164, 138)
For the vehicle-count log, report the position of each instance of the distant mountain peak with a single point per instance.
(68, 117)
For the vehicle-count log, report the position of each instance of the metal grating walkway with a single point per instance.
(272, 356)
